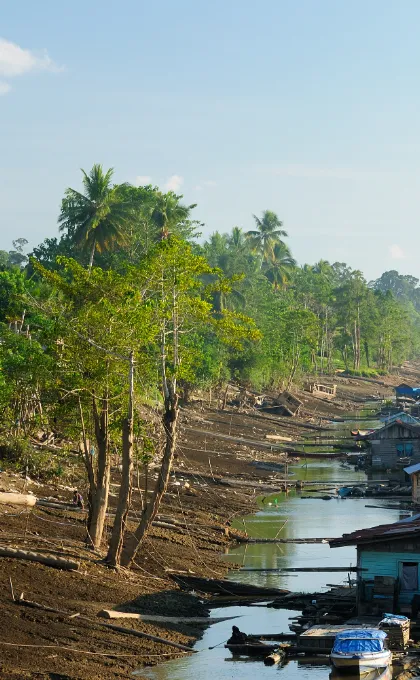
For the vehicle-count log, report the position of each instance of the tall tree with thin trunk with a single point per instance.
(98, 219)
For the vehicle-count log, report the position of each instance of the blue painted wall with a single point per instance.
(387, 564)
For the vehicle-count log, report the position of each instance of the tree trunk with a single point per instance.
(124, 499)
(92, 254)
(87, 459)
(367, 353)
(170, 421)
(100, 499)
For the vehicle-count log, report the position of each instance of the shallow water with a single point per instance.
(287, 517)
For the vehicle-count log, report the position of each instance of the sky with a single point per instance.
(309, 108)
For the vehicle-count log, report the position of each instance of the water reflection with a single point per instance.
(288, 517)
(377, 674)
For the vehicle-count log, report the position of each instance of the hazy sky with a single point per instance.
(310, 108)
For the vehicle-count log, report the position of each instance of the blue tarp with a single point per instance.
(407, 391)
(360, 641)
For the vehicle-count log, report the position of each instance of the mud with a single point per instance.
(41, 645)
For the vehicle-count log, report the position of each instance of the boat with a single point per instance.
(259, 649)
(361, 650)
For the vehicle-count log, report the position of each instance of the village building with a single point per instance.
(405, 390)
(414, 473)
(401, 415)
(321, 391)
(394, 445)
(388, 563)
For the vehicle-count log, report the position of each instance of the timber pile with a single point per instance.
(212, 586)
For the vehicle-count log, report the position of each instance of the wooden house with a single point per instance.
(288, 404)
(321, 391)
(394, 445)
(414, 472)
(401, 415)
(388, 562)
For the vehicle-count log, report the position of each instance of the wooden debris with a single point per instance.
(154, 618)
(222, 587)
(137, 633)
(273, 659)
(48, 560)
(6, 498)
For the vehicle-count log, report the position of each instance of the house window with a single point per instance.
(405, 449)
(409, 576)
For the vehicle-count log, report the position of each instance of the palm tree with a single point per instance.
(168, 213)
(280, 266)
(267, 234)
(97, 219)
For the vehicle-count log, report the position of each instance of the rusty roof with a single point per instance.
(384, 532)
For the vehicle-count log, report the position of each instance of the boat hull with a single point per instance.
(362, 663)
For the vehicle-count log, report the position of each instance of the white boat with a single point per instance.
(360, 651)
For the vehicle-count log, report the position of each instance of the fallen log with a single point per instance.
(48, 560)
(273, 659)
(154, 618)
(117, 629)
(304, 569)
(284, 540)
(155, 638)
(8, 498)
(222, 587)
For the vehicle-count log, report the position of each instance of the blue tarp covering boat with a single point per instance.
(359, 641)
(361, 649)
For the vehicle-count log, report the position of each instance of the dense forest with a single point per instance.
(104, 329)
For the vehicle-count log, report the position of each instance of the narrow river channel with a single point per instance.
(287, 517)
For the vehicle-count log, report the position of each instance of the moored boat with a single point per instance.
(360, 651)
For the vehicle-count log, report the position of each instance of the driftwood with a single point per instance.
(137, 633)
(48, 560)
(273, 659)
(109, 626)
(154, 618)
(304, 569)
(222, 587)
(17, 499)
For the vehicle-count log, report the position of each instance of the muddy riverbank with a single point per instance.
(212, 451)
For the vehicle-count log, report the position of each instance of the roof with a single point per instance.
(413, 427)
(411, 469)
(384, 532)
(403, 416)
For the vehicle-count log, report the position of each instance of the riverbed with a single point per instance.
(283, 516)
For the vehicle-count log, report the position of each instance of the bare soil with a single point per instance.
(41, 645)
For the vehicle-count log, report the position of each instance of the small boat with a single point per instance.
(259, 649)
(360, 651)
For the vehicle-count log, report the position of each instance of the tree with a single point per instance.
(268, 232)
(178, 276)
(98, 219)
(280, 265)
(169, 215)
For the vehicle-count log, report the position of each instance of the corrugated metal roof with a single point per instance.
(413, 427)
(382, 532)
(411, 469)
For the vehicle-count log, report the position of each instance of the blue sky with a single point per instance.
(307, 107)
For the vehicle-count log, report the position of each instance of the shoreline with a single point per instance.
(191, 534)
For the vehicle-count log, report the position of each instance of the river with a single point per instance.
(286, 516)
